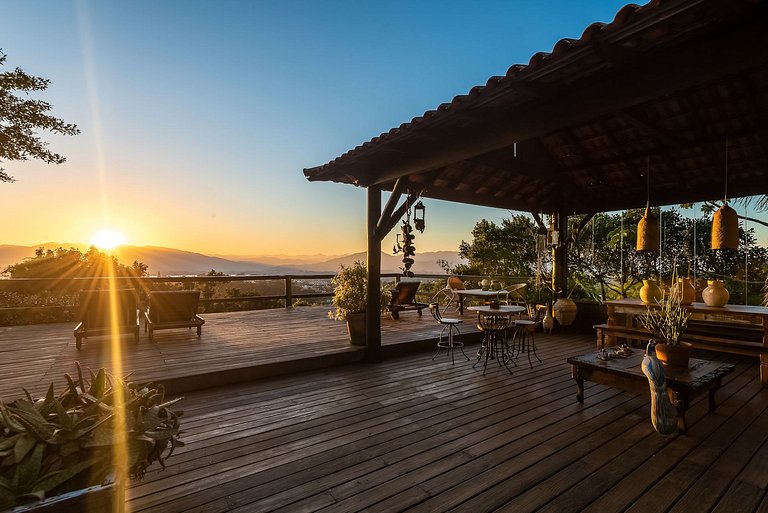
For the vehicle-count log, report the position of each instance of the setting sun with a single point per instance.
(107, 239)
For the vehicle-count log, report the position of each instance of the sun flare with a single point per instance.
(107, 239)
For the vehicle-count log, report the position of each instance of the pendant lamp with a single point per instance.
(725, 222)
(725, 228)
(648, 227)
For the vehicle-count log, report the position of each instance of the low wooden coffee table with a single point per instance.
(625, 373)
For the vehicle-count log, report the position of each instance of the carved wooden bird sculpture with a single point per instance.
(663, 413)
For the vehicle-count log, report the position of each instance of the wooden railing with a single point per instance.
(145, 284)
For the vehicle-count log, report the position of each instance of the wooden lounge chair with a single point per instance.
(404, 298)
(94, 314)
(173, 309)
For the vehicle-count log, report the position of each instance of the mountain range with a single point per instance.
(169, 261)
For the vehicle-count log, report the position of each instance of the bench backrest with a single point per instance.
(95, 307)
(405, 293)
(173, 305)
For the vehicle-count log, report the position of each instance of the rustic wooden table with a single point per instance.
(625, 373)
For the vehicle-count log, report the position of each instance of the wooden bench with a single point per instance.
(725, 338)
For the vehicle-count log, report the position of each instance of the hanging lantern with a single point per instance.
(648, 232)
(725, 228)
(418, 216)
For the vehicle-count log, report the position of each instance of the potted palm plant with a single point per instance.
(667, 321)
(350, 300)
(74, 451)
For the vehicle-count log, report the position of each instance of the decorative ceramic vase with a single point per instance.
(485, 283)
(715, 294)
(676, 356)
(548, 322)
(686, 290)
(495, 285)
(565, 311)
(650, 292)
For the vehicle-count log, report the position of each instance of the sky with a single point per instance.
(198, 117)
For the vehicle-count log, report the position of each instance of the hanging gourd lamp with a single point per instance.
(725, 228)
(648, 227)
(725, 222)
(648, 232)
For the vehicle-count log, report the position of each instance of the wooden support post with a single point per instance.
(373, 264)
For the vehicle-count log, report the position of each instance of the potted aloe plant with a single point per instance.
(350, 300)
(667, 322)
(61, 452)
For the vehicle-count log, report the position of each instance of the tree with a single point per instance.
(21, 118)
(508, 249)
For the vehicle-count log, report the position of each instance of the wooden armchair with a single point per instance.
(95, 314)
(404, 298)
(173, 309)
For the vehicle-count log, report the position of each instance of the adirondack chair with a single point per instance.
(95, 314)
(173, 309)
(404, 298)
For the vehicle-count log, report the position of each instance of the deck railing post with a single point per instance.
(288, 292)
(373, 315)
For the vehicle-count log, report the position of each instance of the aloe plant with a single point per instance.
(56, 444)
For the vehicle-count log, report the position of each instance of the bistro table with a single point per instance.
(485, 294)
(494, 321)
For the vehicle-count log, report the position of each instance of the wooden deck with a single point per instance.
(410, 434)
(234, 347)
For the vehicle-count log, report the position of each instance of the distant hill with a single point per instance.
(174, 261)
(424, 262)
(160, 260)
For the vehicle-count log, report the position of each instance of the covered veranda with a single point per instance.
(671, 88)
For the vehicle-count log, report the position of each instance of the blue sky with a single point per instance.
(198, 117)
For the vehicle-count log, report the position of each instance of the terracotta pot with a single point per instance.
(356, 328)
(565, 311)
(686, 290)
(650, 292)
(674, 355)
(715, 294)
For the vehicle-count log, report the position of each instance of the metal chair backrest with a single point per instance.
(434, 309)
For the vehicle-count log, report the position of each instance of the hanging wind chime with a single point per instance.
(406, 232)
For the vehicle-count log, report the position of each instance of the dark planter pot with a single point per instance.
(95, 498)
(674, 356)
(356, 328)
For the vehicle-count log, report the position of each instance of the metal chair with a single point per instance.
(523, 337)
(448, 294)
(452, 325)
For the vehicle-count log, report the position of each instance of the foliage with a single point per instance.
(669, 320)
(613, 268)
(57, 444)
(350, 291)
(21, 117)
(508, 249)
(72, 263)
